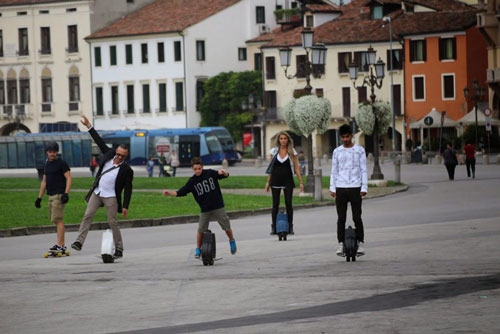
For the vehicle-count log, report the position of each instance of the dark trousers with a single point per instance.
(344, 196)
(276, 204)
(471, 164)
(451, 171)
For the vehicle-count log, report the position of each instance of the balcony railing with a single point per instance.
(288, 16)
(74, 106)
(24, 52)
(14, 111)
(45, 51)
(46, 106)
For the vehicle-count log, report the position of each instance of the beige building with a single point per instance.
(343, 47)
(45, 80)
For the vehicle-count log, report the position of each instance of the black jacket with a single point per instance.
(125, 173)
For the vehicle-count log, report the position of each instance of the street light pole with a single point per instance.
(372, 80)
(479, 92)
(318, 57)
(385, 19)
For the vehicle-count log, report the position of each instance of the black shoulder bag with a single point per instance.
(96, 182)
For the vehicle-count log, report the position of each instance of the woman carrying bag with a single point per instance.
(280, 176)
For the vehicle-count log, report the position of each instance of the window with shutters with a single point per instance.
(270, 68)
(99, 101)
(24, 87)
(144, 53)
(362, 95)
(179, 96)
(177, 51)
(114, 100)
(97, 56)
(346, 101)
(360, 58)
(146, 105)
(345, 59)
(130, 99)
(397, 59)
(200, 50)
(162, 90)
(396, 89)
(72, 39)
(23, 42)
(112, 55)
(418, 88)
(257, 61)
(161, 52)
(301, 62)
(418, 50)
(45, 40)
(128, 54)
(448, 86)
(260, 14)
(447, 48)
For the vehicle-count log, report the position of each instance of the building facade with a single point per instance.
(158, 71)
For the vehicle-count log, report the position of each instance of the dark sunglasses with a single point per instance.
(120, 155)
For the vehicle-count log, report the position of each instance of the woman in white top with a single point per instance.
(174, 162)
(281, 177)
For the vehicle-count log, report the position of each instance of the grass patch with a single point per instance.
(17, 208)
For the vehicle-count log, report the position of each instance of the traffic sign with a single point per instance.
(487, 112)
(428, 120)
(488, 124)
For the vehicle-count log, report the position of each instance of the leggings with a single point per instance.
(288, 191)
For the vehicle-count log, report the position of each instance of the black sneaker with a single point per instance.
(76, 245)
(118, 254)
(56, 248)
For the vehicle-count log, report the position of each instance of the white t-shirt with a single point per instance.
(349, 168)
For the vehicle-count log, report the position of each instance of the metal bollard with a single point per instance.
(437, 160)
(318, 188)
(397, 169)
(258, 162)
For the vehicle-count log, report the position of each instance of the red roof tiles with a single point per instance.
(163, 16)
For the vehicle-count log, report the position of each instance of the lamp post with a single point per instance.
(372, 80)
(318, 58)
(253, 108)
(479, 93)
(388, 19)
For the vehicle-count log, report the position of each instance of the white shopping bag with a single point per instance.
(108, 243)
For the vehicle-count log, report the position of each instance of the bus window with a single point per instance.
(189, 147)
(213, 143)
(21, 154)
(12, 155)
(77, 152)
(86, 151)
(225, 139)
(67, 153)
(3, 155)
(30, 154)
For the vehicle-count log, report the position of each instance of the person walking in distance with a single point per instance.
(113, 177)
(450, 161)
(204, 185)
(349, 183)
(150, 165)
(56, 180)
(470, 160)
(174, 162)
(281, 177)
(93, 165)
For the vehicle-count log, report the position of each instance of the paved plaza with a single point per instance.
(432, 266)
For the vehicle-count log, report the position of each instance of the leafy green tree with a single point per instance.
(224, 94)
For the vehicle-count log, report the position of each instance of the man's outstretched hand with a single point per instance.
(85, 121)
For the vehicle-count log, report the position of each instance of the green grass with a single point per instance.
(233, 182)
(17, 207)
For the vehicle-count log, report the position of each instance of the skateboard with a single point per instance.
(282, 226)
(350, 244)
(208, 248)
(54, 253)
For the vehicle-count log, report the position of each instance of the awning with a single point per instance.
(436, 116)
(470, 118)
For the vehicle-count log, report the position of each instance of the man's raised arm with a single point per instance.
(97, 139)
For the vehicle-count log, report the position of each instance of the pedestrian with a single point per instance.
(204, 185)
(470, 160)
(150, 166)
(56, 180)
(174, 162)
(349, 183)
(302, 162)
(450, 161)
(280, 177)
(93, 165)
(113, 177)
(162, 161)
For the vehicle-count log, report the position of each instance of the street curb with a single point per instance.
(176, 220)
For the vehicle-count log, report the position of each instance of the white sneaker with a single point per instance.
(361, 249)
(340, 249)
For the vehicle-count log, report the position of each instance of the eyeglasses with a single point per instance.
(120, 155)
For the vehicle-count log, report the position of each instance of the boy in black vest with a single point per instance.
(57, 181)
(204, 186)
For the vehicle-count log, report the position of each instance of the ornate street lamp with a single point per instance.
(479, 93)
(372, 80)
(318, 58)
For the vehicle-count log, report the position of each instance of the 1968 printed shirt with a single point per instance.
(205, 189)
(349, 168)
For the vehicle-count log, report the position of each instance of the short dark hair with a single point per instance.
(196, 161)
(123, 146)
(345, 130)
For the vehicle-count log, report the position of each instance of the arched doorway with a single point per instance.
(11, 129)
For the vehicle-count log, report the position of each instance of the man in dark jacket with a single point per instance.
(450, 161)
(113, 177)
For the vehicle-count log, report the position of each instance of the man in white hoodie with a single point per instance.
(349, 183)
